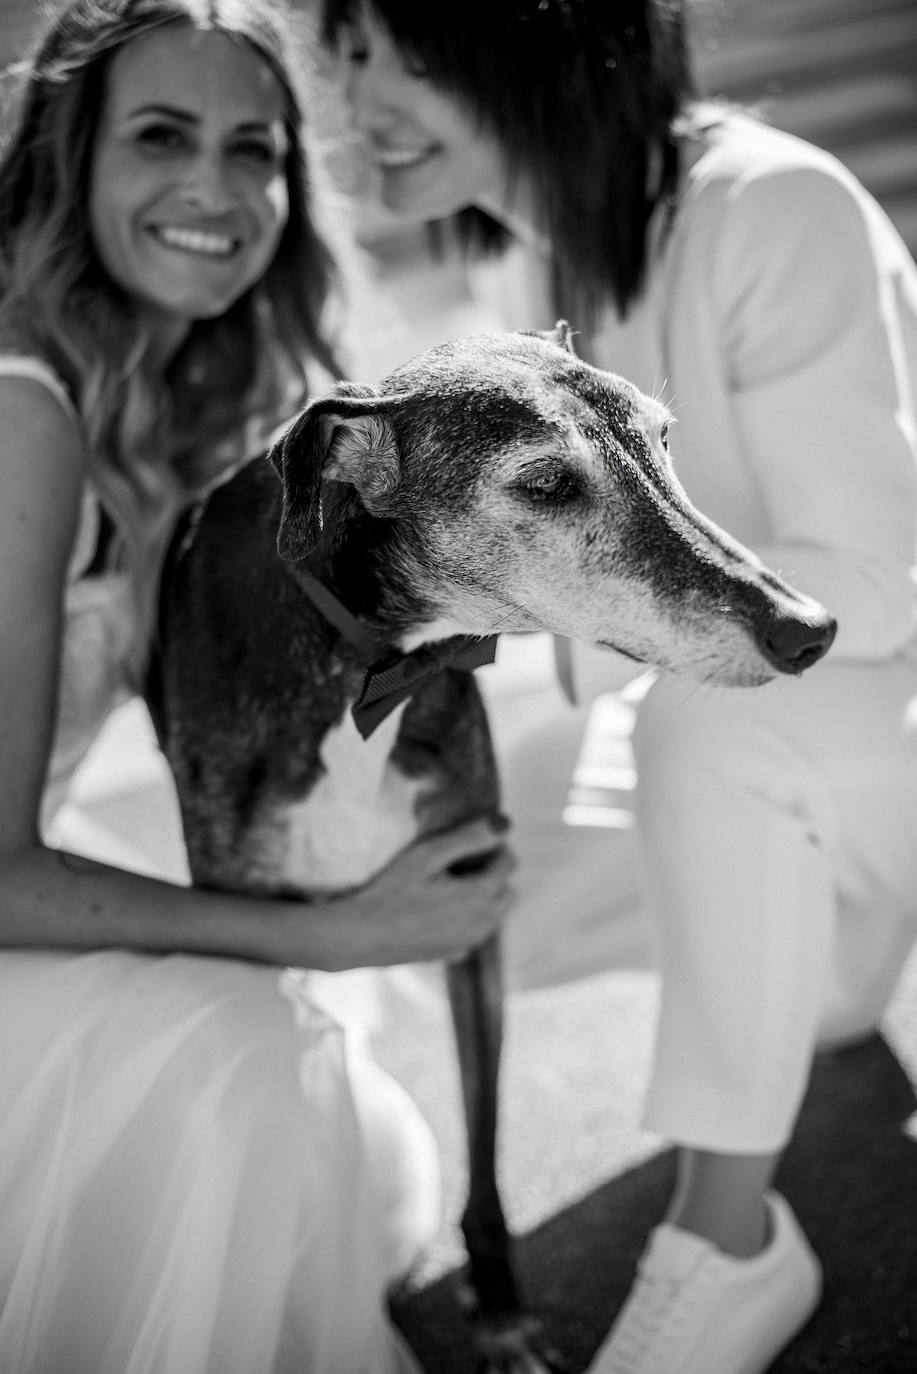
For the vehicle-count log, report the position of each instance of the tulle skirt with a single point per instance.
(200, 1173)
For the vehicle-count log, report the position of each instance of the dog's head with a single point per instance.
(523, 489)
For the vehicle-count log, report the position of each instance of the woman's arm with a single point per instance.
(413, 911)
(819, 303)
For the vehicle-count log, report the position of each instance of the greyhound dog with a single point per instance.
(493, 484)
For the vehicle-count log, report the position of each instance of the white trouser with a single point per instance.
(775, 851)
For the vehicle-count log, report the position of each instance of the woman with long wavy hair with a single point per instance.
(198, 1174)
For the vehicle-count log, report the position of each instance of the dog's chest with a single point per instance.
(357, 817)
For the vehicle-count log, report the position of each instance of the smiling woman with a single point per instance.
(158, 247)
(198, 1173)
(188, 195)
(429, 150)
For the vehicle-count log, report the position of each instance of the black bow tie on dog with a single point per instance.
(389, 683)
(394, 678)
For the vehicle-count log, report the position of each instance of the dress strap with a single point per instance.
(37, 370)
(87, 536)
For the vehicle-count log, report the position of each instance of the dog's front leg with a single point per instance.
(507, 1339)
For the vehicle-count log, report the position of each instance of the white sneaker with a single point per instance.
(695, 1310)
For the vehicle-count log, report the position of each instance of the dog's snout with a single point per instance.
(793, 643)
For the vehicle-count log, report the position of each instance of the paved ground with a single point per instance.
(583, 1186)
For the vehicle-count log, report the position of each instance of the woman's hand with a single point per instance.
(415, 910)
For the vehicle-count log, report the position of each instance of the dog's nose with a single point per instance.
(793, 643)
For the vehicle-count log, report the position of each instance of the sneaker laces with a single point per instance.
(654, 1314)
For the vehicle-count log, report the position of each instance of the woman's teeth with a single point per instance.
(196, 241)
(400, 157)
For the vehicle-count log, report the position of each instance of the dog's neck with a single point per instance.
(363, 567)
(432, 632)
(366, 635)
(369, 636)
(392, 677)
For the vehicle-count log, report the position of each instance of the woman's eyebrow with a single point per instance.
(187, 117)
(162, 109)
(172, 111)
(250, 126)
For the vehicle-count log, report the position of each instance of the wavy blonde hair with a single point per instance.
(154, 441)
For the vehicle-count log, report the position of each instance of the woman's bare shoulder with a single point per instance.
(42, 473)
(19, 365)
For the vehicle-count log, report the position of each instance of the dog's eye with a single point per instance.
(546, 484)
(664, 437)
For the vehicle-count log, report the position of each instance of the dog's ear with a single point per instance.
(300, 471)
(363, 452)
(562, 335)
(346, 437)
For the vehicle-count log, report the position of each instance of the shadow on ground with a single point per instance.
(851, 1175)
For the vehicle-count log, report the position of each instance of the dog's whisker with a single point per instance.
(658, 391)
(511, 611)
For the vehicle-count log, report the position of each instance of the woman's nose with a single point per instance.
(207, 185)
(371, 102)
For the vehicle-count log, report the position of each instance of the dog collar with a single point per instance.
(393, 677)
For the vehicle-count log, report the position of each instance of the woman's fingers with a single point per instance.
(419, 909)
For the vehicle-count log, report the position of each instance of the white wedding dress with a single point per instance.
(200, 1172)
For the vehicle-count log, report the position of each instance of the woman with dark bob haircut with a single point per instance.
(199, 1173)
(584, 99)
(747, 279)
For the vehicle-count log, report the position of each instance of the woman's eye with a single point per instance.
(257, 150)
(167, 137)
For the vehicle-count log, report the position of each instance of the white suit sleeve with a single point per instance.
(818, 300)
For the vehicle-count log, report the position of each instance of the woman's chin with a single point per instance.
(406, 194)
